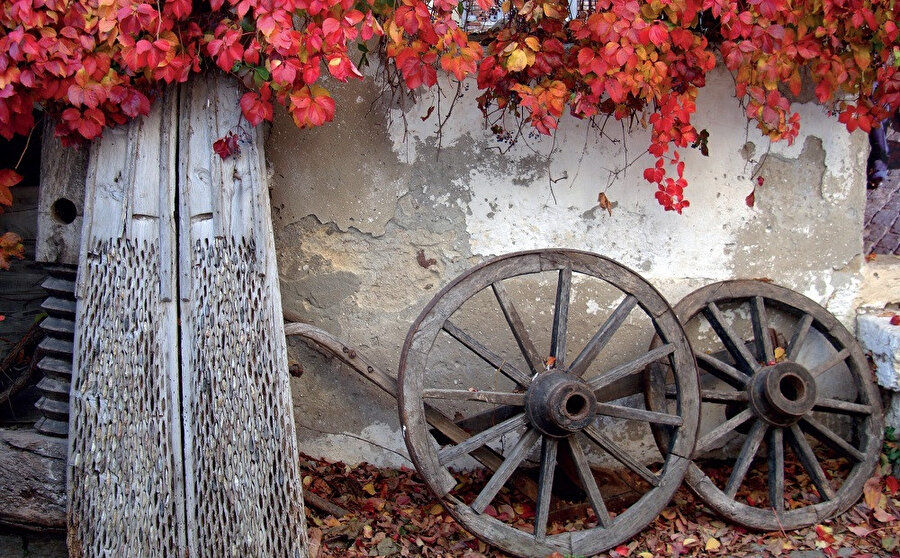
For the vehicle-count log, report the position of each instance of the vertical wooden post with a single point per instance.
(244, 492)
(60, 216)
(125, 482)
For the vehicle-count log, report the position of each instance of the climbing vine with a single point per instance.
(93, 64)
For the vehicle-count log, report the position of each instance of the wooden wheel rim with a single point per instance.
(869, 425)
(422, 447)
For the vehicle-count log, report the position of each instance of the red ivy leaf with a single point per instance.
(255, 108)
(750, 200)
(311, 106)
(227, 146)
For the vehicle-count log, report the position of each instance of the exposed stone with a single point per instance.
(882, 341)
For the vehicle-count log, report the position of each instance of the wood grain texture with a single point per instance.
(32, 481)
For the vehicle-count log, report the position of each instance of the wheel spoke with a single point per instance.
(517, 326)
(561, 316)
(487, 355)
(838, 358)
(745, 459)
(716, 434)
(588, 482)
(602, 337)
(469, 445)
(844, 407)
(545, 482)
(506, 469)
(621, 455)
(799, 337)
(775, 445)
(830, 437)
(722, 370)
(736, 346)
(496, 397)
(713, 396)
(810, 463)
(631, 367)
(630, 413)
(761, 330)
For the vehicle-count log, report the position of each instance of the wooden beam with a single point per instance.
(60, 201)
(32, 481)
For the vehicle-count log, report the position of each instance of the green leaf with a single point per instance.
(262, 74)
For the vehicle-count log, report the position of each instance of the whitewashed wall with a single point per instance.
(356, 201)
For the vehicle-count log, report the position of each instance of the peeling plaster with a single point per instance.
(348, 231)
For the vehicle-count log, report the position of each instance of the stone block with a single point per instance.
(882, 340)
(878, 337)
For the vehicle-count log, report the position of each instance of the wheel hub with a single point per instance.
(559, 404)
(782, 393)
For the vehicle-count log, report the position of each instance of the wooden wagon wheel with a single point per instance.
(556, 405)
(778, 371)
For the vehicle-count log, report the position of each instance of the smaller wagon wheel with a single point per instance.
(778, 373)
(552, 407)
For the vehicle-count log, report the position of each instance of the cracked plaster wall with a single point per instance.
(356, 201)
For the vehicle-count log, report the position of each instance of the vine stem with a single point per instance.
(25, 149)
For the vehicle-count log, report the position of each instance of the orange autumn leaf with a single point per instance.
(10, 247)
(8, 178)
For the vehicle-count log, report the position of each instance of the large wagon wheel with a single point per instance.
(778, 371)
(541, 399)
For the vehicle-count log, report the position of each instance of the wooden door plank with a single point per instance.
(244, 491)
(125, 489)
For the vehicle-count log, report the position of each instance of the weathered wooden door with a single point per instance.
(181, 436)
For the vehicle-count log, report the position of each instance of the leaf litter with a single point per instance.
(392, 513)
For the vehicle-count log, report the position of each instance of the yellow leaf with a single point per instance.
(689, 541)
(645, 555)
(712, 544)
(369, 488)
(436, 509)
(533, 43)
(517, 60)
(367, 531)
(779, 353)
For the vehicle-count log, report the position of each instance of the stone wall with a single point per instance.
(376, 211)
